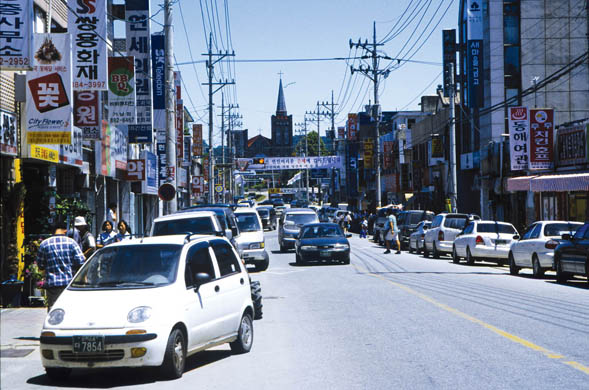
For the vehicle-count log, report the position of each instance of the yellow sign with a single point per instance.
(274, 190)
(20, 223)
(46, 154)
(49, 137)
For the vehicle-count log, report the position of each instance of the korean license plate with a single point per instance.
(88, 344)
(324, 253)
(501, 242)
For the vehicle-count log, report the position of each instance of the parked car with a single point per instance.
(150, 303)
(224, 214)
(484, 240)
(535, 248)
(279, 210)
(195, 222)
(439, 239)
(268, 217)
(407, 222)
(416, 238)
(322, 241)
(250, 242)
(571, 257)
(290, 224)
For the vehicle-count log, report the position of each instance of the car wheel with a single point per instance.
(256, 290)
(175, 355)
(425, 251)
(469, 258)
(513, 269)
(58, 373)
(298, 260)
(245, 335)
(561, 276)
(537, 271)
(346, 260)
(282, 248)
(263, 266)
(435, 253)
(455, 258)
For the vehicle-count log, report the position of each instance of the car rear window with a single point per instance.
(558, 229)
(301, 219)
(199, 225)
(415, 218)
(495, 228)
(455, 222)
(264, 212)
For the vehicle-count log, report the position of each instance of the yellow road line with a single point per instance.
(507, 335)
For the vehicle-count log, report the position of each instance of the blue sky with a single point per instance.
(266, 29)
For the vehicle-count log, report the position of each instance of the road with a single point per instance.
(384, 322)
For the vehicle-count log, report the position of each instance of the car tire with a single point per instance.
(425, 251)
(175, 355)
(263, 266)
(513, 269)
(256, 290)
(346, 260)
(282, 248)
(469, 258)
(435, 253)
(455, 257)
(58, 373)
(537, 271)
(245, 335)
(410, 250)
(298, 260)
(561, 276)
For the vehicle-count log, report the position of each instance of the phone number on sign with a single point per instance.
(90, 84)
(14, 61)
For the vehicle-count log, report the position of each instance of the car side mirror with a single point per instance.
(516, 237)
(566, 236)
(220, 233)
(201, 278)
(228, 233)
(234, 231)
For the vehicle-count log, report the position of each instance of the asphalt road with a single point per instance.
(384, 322)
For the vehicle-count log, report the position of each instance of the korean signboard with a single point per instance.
(519, 123)
(121, 90)
(135, 170)
(341, 132)
(541, 140)
(182, 178)
(63, 154)
(150, 183)
(16, 35)
(88, 29)
(49, 91)
(198, 185)
(111, 150)
(278, 163)
(197, 140)
(573, 145)
(87, 111)
(353, 127)
(138, 46)
(205, 168)
(474, 54)
(7, 133)
(179, 117)
(388, 154)
(449, 57)
(161, 155)
(158, 60)
(368, 154)
(186, 160)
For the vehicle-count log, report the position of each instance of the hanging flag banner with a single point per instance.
(541, 139)
(138, 46)
(197, 140)
(278, 163)
(49, 91)
(474, 53)
(111, 150)
(179, 117)
(519, 123)
(87, 111)
(353, 127)
(88, 29)
(448, 57)
(150, 184)
(158, 61)
(161, 155)
(16, 34)
(186, 159)
(121, 90)
(8, 133)
(205, 168)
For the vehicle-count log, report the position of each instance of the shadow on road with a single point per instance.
(316, 263)
(285, 252)
(577, 283)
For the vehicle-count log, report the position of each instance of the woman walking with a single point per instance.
(107, 236)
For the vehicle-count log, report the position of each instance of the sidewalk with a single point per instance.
(20, 329)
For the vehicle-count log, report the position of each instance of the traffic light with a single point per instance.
(259, 161)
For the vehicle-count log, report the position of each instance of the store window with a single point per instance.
(578, 202)
(549, 209)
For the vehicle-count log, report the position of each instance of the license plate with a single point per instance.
(88, 344)
(501, 242)
(324, 253)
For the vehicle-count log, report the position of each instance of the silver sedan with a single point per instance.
(416, 238)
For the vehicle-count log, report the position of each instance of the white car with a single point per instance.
(439, 239)
(150, 302)
(535, 249)
(480, 240)
(416, 239)
(251, 242)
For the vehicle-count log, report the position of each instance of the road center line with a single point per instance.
(494, 329)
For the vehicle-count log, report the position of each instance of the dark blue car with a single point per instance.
(322, 241)
(571, 257)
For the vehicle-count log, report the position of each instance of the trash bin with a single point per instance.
(11, 290)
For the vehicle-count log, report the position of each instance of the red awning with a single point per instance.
(560, 183)
(521, 183)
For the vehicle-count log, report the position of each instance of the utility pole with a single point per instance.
(170, 104)
(454, 192)
(230, 118)
(210, 70)
(373, 73)
(223, 142)
(331, 112)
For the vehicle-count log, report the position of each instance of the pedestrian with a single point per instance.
(392, 232)
(347, 222)
(60, 257)
(74, 232)
(108, 236)
(124, 231)
(112, 214)
(364, 228)
(88, 241)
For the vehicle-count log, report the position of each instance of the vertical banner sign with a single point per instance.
(205, 168)
(150, 184)
(474, 55)
(16, 34)
(138, 45)
(341, 132)
(352, 127)
(161, 155)
(198, 185)
(519, 123)
(8, 133)
(186, 160)
(179, 117)
(121, 90)
(158, 60)
(541, 139)
(87, 111)
(197, 140)
(49, 91)
(111, 151)
(388, 154)
(368, 154)
(449, 57)
(89, 47)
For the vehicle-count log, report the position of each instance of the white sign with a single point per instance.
(16, 34)
(198, 184)
(278, 163)
(136, 170)
(519, 124)
(7, 133)
(49, 91)
(88, 28)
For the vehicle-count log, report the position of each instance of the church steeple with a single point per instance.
(281, 106)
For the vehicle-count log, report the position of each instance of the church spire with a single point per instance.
(281, 106)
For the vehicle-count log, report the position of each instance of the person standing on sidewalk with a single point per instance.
(88, 241)
(392, 232)
(60, 256)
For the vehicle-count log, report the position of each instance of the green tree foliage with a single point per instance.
(312, 139)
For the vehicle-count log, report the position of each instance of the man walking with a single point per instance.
(88, 241)
(59, 256)
(392, 233)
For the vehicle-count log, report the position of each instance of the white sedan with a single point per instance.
(484, 240)
(535, 249)
(416, 239)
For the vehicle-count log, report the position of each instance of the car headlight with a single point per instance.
(139, 314)
(308, 248)
(341, 246)
(56, 317)
(257, 245)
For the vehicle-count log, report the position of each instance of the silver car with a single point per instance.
(290, 224)
(416, 239)
(251, 242)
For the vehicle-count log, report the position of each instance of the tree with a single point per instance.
(312, 140)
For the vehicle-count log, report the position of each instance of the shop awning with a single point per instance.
(521, 183)
(559, 183)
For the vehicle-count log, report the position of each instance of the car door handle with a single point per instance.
(217, 288)
(241, 281)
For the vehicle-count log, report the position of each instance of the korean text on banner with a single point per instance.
(179, 116)
(519, 123)
(138, 45)
(197, 139)
(87, 112)
(49, 91)
(62, 154)
(198, 185)
(278, 163)
(541, 139)
(121, 90)
(474, 55)
(16, 18)
(353, 127)
(186, 159)
(88, 28)
(158, 59)
(8, 133)
(111, 151)
(161, 156)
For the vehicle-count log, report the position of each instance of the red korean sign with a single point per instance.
(198, 185)
(135, 170)
(541, 140)
(179, 129)
(197, 140)
(353, 127)
(205, 168)
(388, 154)
(87, 113)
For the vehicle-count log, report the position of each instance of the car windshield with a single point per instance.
(495, 228)
(301, 219)
(198, 225)
(130, 266)
(322, 231)
(415, 218)
(247, 222)
(455, 222)
(264, 212)
(558, 229)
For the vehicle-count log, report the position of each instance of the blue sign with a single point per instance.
(149, 185)
(158, 60)
(475, 73)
